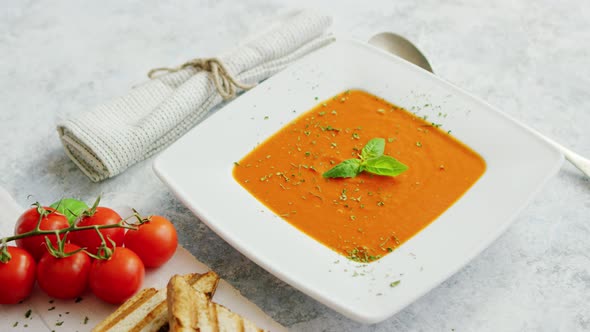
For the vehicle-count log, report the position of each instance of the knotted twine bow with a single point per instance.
(224, 82)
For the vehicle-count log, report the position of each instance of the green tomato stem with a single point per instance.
(104, 251)
(72, 228)
(5, 255)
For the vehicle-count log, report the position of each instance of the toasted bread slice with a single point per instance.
(190, 310)
(157, 319)
(148, 311)
(204, 283)
(131, 305)
(182, 316)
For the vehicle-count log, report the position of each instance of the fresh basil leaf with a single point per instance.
(373, 149)
(346, 169)
(384, 165)
(71, 208)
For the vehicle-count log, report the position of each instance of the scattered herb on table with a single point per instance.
(395, 283)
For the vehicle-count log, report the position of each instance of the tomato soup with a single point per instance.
(366, 216)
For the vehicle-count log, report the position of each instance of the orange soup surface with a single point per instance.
(367, 216)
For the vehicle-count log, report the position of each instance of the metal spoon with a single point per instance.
(403, 48)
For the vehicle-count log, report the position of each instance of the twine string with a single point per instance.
(225, 83)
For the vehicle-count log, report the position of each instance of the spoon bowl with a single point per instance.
(406, 50)
(401, 47)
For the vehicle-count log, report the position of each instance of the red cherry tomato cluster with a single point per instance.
(112, 264)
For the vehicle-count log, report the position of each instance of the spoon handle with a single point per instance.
(580, 162)
(575, 159)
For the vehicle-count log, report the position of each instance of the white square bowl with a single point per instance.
(198, 169)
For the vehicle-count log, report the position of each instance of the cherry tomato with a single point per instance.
(35, 245)
(118, 278)
(17, 276)
(89, 239)
(64, 278)
(154, 242)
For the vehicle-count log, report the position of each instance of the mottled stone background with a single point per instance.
(531, 59)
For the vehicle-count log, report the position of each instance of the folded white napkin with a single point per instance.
(115, 135)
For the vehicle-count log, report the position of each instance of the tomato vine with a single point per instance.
(104, 252)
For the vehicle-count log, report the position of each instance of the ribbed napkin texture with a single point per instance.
(113, 136)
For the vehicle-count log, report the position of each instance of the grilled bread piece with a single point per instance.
(190, 310)
(182, 306)
(128, 308)
(147, 311)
